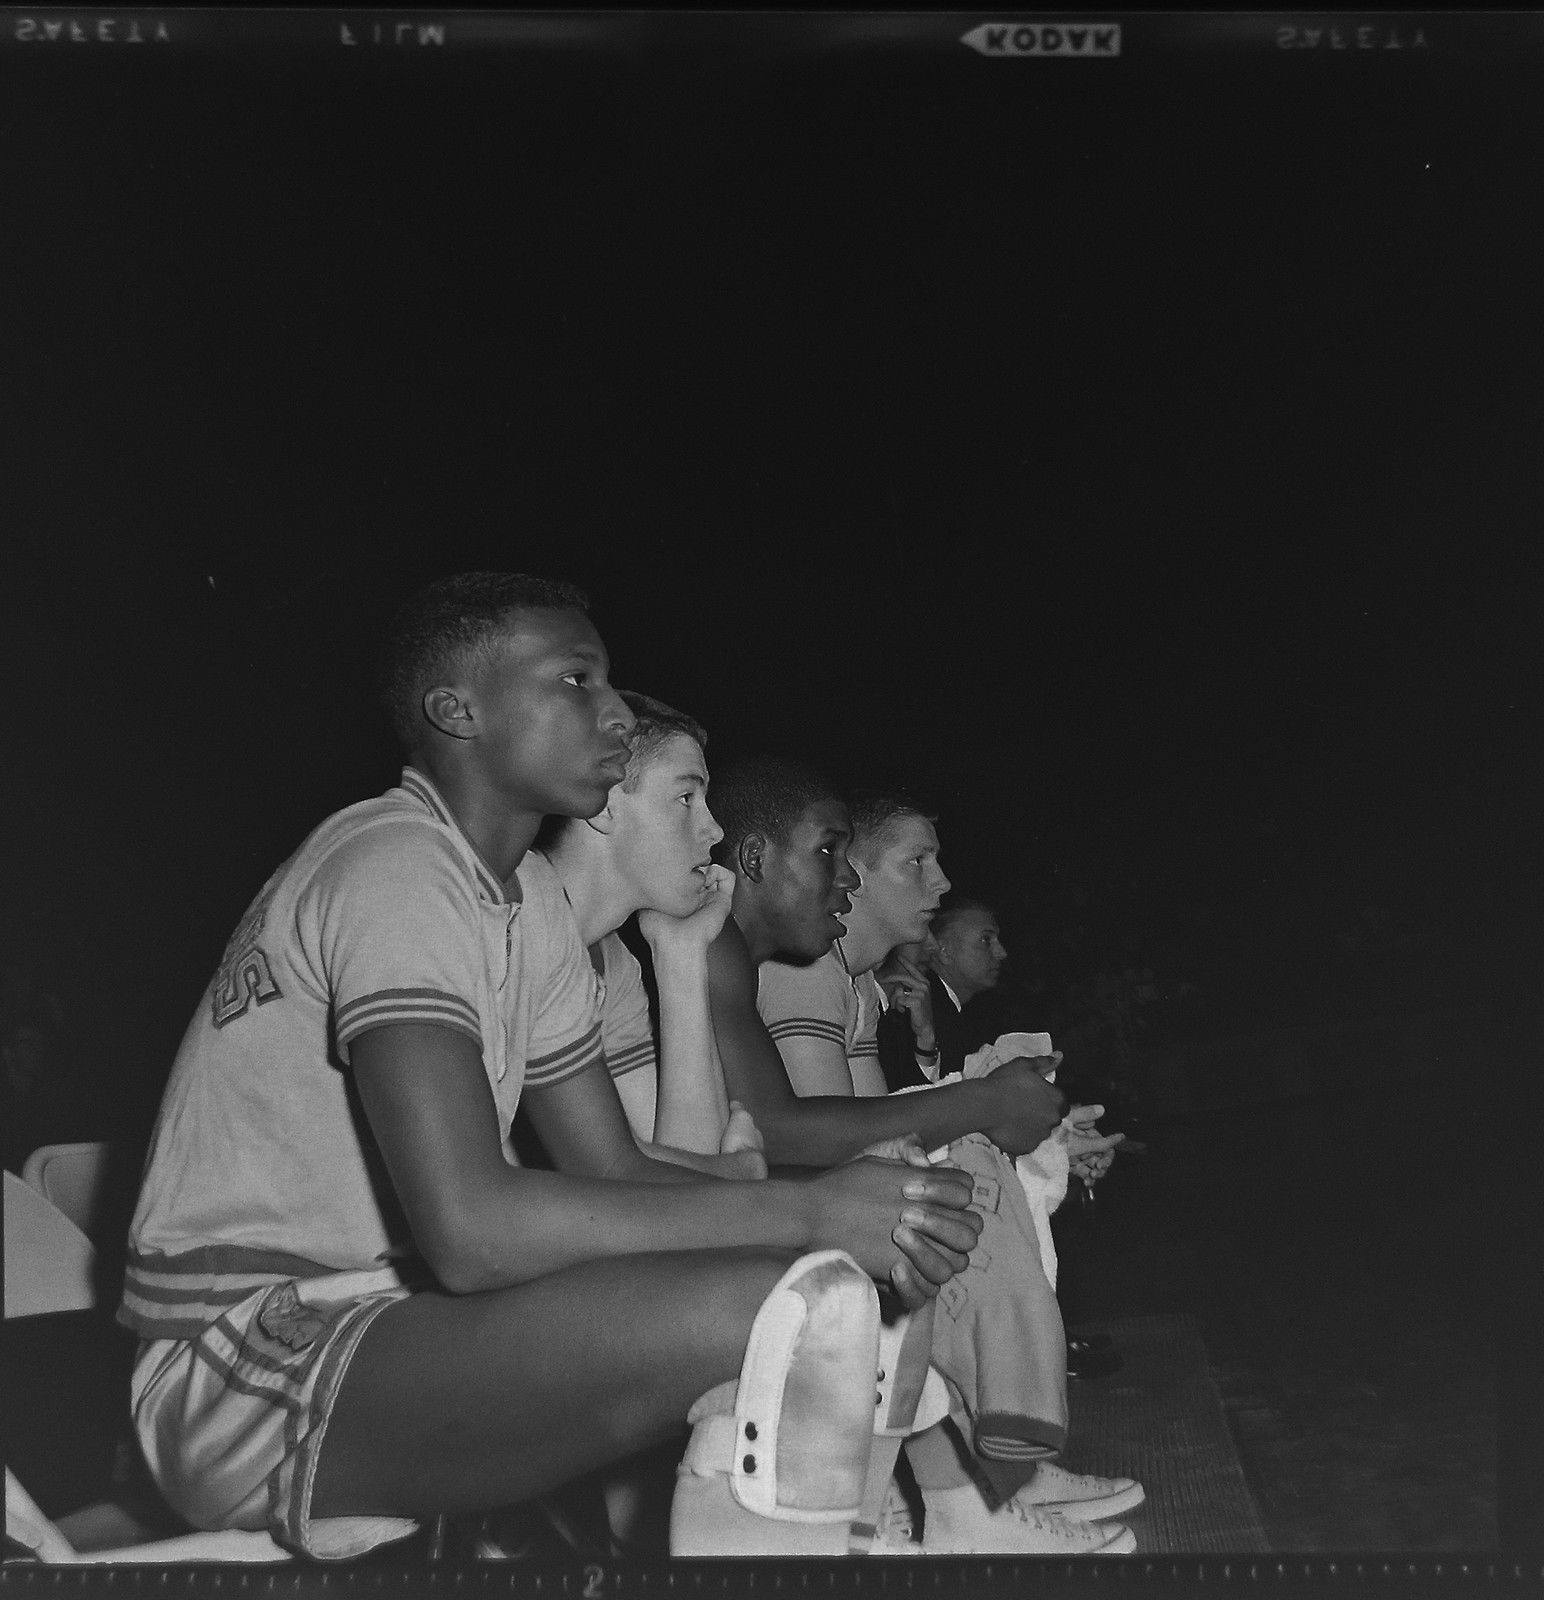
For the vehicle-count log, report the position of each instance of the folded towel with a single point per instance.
(1043, 1172)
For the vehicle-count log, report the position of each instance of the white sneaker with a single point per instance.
(1079, 1496)
(959, 1524)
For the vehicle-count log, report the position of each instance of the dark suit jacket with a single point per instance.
(898, 1045)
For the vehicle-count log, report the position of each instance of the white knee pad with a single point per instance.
(777, 1463)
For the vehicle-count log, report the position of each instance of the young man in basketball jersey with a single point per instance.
(355, 1311)
(649, 851)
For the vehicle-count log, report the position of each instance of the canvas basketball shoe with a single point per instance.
(1079, 1496)
(958, 1523)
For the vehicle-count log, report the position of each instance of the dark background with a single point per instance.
(1139, 458)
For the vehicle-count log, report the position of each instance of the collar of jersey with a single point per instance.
(422, 790)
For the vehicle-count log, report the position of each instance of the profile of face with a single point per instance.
(550, 732)
(807, 880)
(901, 886)
(970, 952)
(663, 831)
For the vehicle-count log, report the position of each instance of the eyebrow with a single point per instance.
(690, 777)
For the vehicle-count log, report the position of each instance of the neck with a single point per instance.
(863, 945)
(758, 937)
(964, 990)
(600, 898)
(499, 833)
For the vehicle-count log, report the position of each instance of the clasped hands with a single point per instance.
(903, 1218)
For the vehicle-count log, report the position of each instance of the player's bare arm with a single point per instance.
(1015, 1106)
(482, 1224)
(693, 1107)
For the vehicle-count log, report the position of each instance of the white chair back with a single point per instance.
(71, 1176)
(49, 1267)
(49, 1262)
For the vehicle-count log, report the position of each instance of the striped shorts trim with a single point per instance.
(232, 1422)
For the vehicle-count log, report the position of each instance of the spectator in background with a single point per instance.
(929, 983)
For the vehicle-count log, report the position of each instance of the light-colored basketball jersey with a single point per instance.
(822, 1001)
(261, 1166)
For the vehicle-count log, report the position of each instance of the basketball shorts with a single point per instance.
(232, 1422)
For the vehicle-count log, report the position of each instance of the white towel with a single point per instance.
(1044, 1170)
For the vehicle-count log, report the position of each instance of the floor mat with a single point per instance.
(1160, 1419)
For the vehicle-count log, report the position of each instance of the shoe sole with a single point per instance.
(1121, 1542)
(1110, 1505)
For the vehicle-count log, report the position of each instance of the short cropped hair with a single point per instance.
(874, 815)
(765, 795)
(655, 725)
(953, 907)
(437, 630)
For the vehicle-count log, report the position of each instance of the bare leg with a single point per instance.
(458, 1403)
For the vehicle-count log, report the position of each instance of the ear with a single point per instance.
(604, 820)
(447, 708)
(750, 857)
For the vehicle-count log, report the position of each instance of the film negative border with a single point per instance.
(1281, 1577)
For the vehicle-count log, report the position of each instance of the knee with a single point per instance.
(735, 1290)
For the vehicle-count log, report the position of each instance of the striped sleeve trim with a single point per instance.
(631, 1058)
(577, 1056)
(865, 1047)
(809, 1028)
(388, 1006)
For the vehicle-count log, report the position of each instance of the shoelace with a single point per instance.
(1053, 1522)
(1082, 1486)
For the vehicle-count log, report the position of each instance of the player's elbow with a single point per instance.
(463, 1276)
(464, 1257)
(457, 1268)
(462, 1268)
